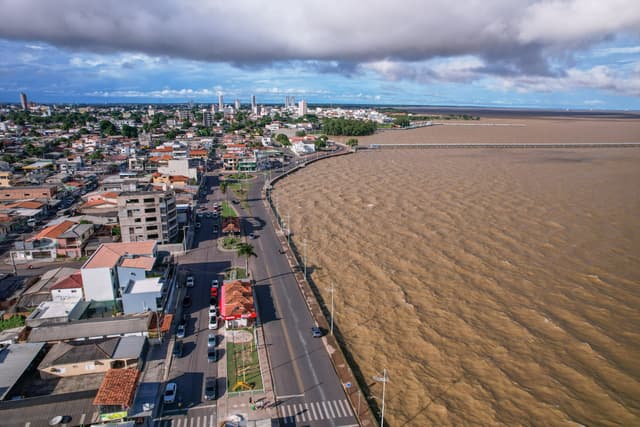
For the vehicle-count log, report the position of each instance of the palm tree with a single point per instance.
(246, 250)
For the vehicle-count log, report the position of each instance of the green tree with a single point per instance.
(321, 142)
(352, 142)
(283, 139)
(186, 124)
(301, 133)
(107, 128)
(129, 131)
(246, 250)
(349, 127)
(402, 121)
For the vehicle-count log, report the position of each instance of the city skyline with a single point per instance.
(549, 55)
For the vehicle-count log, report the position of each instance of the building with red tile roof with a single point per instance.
(117, 390)
(69, 287)
(237, 306)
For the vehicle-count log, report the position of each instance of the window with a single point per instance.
(150, 210)
(137, 220)
(150, 200)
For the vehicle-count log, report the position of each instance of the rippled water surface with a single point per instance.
(498, 287)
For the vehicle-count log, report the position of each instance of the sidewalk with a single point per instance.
(262, 405)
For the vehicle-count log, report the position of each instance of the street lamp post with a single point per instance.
(383, 379)
(331, 308)
(305, 259)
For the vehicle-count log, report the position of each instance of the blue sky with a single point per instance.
(496, 53)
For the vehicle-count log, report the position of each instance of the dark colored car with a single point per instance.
(210, 388)
(186, 302)
(177, 349)
(212, 355)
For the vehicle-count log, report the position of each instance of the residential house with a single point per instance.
(100, 273)
(70, 359)
(69, 237)
(68, 288)
(116, 393)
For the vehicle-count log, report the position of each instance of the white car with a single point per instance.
(213, 322)
(190, 282)
(170, 392)
(213, 311)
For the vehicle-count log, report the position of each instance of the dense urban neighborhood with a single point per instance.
(128, 236)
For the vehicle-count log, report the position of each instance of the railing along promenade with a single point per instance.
(501, 146)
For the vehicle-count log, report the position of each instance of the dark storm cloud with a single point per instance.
(514, 36)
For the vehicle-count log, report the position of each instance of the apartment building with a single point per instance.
(148, 215)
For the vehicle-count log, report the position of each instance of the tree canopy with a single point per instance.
(348, 127)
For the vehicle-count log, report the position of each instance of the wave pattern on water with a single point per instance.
(497, 288)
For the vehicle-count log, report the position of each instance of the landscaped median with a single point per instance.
(243, 367)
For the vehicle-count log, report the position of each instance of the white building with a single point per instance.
(179, 167)
(142, 295)
(302, 107)
(100, 273)
(301, 148)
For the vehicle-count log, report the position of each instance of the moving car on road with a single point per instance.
(316, 332)
(190, 282)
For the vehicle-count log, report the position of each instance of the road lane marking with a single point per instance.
(313, 410)
(331, 410)
(289, 396)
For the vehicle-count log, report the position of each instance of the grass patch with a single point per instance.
(231, 242)
(235, 273)
(237, 176)
(12, 322)
(243, 365)
(228, 211)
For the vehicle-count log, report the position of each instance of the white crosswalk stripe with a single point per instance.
(316, 411)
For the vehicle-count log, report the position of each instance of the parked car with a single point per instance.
(190, 282)
(182, 329)
(213, 311)
(316, 332)
(212, 355)
(213, 301)
(210, 388)
(170, 392)
(213, 322)
(186, 302)
(198, 225)
(177, 349)
(212, 340)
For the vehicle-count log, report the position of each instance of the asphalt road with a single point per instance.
(306, 385)
(204, 262)
(308, 391)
